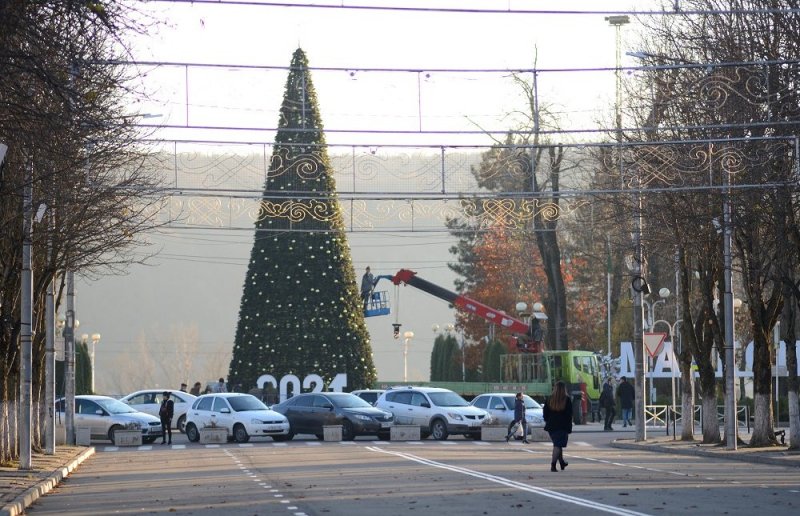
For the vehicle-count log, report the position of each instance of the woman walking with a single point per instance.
(558, 423)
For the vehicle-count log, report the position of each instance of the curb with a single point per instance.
(21, 502)
(703, 453)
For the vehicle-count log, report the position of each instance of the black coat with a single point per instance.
(558, 420)
(166, 410)
(626, 395)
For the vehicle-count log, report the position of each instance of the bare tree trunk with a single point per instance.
(687, 403)
(711, 433)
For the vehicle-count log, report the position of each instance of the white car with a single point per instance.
(369, 395)
(500, 407)
(438, 412)
(149, 401)
(104, 416)
(242, 415)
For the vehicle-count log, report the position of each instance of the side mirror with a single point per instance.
(499, 407)
(225, 410)
(328, 406)
(425, 404)
(99, 412)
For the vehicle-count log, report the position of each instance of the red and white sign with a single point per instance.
(654, 343)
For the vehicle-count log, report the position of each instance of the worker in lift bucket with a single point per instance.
(367, 283)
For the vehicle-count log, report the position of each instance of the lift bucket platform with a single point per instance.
(378, 304)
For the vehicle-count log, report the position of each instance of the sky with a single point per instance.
(194, 283)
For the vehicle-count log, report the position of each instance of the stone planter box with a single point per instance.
(213, 436)
(332, 432)
(404, 433)
(83, 436)
(538, 434)
(127, 437)
(494, 432)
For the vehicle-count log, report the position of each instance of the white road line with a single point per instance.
(511, 483)
(178, 446)
(110, 448)
(245, 445)
(280, 444)
(313, 443)
(212, 446)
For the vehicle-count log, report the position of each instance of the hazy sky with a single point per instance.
(196, 280)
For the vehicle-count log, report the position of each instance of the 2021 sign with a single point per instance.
(291, 383)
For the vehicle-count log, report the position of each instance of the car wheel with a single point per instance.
(439, 430)
(191, 433)
(240, 434)
(348, 433)
(281, 438)
(148, 440)
(182, 424)
(384, 436)
(111, 432)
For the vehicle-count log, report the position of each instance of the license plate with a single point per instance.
(274, 427)
(385, 425)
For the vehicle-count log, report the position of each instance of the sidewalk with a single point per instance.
(775, 455)
(20, 488)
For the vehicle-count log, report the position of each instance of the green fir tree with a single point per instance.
(300, 313)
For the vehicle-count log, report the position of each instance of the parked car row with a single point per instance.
(438, 412)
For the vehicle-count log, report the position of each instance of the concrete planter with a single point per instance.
(404, 433)
(332, 432)
(83, 436)
(128, 437)
(538, 434)
(494, 432)
(213, 435)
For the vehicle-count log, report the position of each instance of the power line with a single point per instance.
(677, 11)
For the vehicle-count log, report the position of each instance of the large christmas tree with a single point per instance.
(301, 313)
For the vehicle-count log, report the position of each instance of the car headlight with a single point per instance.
(362, 417)
(256, 422)
(454, 416)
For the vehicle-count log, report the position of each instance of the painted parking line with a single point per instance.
(583, 502)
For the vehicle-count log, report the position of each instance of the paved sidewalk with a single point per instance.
(776, 455)
(20, 488)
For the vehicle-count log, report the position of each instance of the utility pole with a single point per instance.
(26, 364)
(69, 361)
(49, 358)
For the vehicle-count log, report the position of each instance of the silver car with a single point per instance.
(103, 416)
(149, 401)
(500, 407)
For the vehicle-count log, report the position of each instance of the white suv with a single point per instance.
(438, 412)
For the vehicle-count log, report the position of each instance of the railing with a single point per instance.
(673, 416)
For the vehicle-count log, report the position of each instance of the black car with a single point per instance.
(309, 412)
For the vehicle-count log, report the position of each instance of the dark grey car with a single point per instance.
(309, 412)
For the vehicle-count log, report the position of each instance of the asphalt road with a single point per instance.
(370, 477)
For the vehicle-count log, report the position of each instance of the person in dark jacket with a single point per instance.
(519, 418)
(626, 395)
(609, 403)
(558, 423)
(165, 413)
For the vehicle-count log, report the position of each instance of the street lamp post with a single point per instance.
(95, 340)
(407, 336)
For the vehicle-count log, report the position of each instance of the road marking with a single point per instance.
(144, 448)
(511, 483)
(212, 445)
(110, 448)
(178, 446)
(448, 442)
(245, 445)
(313, 443)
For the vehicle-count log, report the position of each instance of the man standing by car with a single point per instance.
(519, 419)
(165, 413)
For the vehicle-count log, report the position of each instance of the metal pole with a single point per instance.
(638, 322)
(405, 360)
(731, 434)
(26, 318)
(69, 362)
(50, 370)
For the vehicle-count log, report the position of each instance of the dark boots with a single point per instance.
(558, 457)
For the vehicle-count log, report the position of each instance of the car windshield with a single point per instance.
(242, 403)
(114, 406)
(348, 401)
(447, 399)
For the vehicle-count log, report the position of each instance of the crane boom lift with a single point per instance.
(531, 331)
